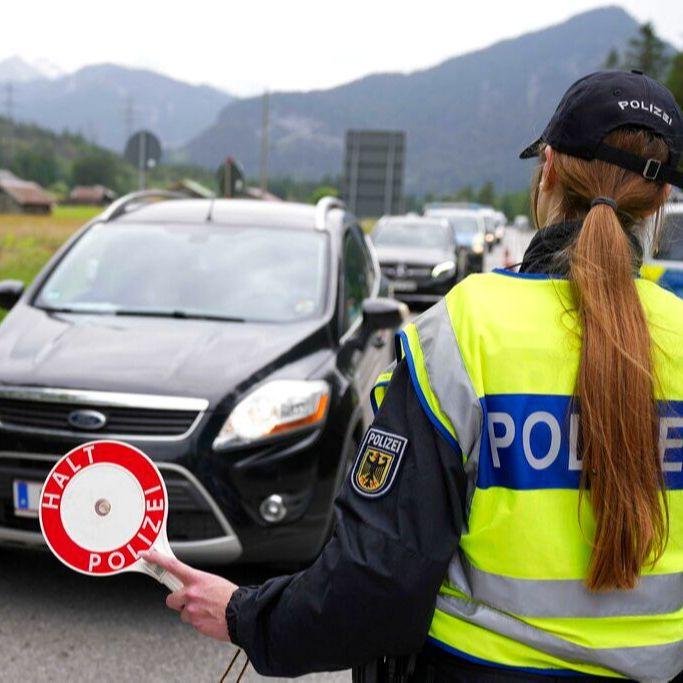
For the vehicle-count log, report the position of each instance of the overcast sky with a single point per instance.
(250, 45)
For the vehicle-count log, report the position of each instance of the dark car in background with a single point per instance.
(418, 257)
(469, 228)
(233, 341)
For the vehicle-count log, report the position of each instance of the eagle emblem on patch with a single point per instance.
(378, 461)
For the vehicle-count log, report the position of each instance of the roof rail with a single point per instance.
(324, 205)
(122, 205)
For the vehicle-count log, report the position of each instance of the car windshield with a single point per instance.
(412, 235)
(212, 271)
(671, 241)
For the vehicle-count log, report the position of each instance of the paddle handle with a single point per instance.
(173, 583)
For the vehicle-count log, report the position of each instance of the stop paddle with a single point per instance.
(102, 505)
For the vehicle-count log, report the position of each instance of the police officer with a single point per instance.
(516, 510)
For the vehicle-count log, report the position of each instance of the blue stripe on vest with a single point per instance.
(529, 442)
(672, 279)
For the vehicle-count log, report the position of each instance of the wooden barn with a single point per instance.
(94, 195)
(23, 196)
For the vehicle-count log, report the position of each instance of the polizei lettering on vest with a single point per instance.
(504, 433)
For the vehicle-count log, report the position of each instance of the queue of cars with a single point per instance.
(422, 257)
(236, 343)
(233, 341)
(419, 256)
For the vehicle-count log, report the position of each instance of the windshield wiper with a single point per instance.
(96, 310)
(176, 313)
(141, 312)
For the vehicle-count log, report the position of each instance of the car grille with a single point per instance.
(46, 415)
(190, 517)
(399, 270)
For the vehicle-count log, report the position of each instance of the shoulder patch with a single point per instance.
(377, 463)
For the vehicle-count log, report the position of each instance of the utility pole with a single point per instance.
(142, 161)
(9, 113)
(129, 117)
(264, 142)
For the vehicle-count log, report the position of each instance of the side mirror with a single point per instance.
(381, 314)
(10, 292)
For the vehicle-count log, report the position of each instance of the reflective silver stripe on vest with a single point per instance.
(655, 594)
(650, 663)
(451, 383)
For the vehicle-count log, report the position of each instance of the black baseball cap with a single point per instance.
(601, 102)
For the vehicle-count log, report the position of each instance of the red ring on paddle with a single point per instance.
(118, 559)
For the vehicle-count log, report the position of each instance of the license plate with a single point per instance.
(404, 285)
(26, 497)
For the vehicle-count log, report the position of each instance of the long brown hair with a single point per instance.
(618, 416)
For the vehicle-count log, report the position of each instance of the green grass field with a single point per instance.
(27, 242)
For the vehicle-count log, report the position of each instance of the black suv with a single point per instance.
(233, 341)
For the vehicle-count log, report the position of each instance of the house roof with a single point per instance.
(258, 193)
(91, 193)
(193, 188)
(24, 192)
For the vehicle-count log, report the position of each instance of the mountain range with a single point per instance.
(107, 102)
(17, 70)
(466, 119)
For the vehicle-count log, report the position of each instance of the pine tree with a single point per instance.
(675, 80)
(647, 53)
(465, 194)
(487, 194)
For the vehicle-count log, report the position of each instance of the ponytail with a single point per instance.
(617, 412)
(615, 390)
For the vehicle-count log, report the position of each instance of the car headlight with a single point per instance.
(477, 248)
(445, 269)
(277, 407)
(490, 237)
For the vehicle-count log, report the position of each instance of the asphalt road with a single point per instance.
(510, 251)
(56, 625)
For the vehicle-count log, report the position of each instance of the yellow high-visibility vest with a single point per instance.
(494, 365)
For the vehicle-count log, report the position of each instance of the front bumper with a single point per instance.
(214, 497)
(197, 528)
(422, 291)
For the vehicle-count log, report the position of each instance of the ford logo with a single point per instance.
(87, 420)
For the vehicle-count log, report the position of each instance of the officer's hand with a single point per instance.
(203, 598)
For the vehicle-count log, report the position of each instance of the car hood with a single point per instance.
(202, 359)
(419, 256)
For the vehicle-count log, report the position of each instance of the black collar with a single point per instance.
(549, 249)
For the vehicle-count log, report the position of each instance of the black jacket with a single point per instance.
(372, 590)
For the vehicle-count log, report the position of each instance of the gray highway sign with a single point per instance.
(374, 164)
